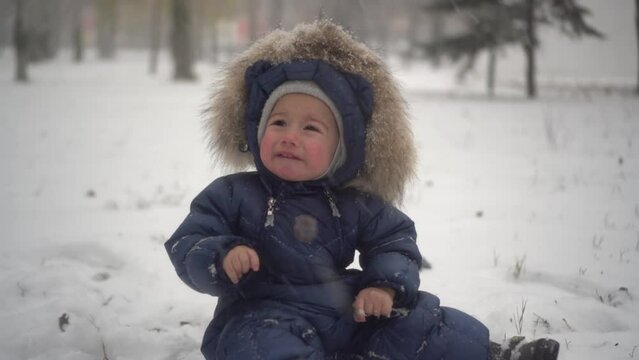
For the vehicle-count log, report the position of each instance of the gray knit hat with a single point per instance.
(308, 88)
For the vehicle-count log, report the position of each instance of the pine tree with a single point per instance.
(492, 24)
(489, 26)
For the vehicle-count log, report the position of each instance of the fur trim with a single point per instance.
(390, 152)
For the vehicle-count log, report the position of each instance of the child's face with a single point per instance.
(300, 138)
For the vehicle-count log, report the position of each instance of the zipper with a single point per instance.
(270, 212)
(331, 202)
(270, 208)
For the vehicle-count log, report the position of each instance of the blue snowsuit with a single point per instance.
(299, 304)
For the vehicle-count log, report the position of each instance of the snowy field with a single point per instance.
(528, 210)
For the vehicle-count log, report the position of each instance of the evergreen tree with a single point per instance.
(491, 24)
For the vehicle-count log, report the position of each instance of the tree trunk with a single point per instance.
(78, 43)
(181, 40)
(78, 34)
(637, 34)
(530, 44)
(21, 43)
(106, 27)
(200, 22)
(492, 69)
(51, 19)
(155, 35)
(41, 24)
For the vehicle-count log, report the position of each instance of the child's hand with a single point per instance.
(239, 261)
(375, 301)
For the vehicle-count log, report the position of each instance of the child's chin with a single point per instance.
(288, 175)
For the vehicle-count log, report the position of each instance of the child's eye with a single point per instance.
(278, 123)
(312, 128)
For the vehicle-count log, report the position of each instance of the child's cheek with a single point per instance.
(264, 149)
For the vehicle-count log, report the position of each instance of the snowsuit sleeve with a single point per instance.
(200, 243)
(389, 255)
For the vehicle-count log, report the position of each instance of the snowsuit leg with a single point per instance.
(266, 331)
(428, 332)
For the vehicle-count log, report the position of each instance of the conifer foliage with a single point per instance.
(492, 24)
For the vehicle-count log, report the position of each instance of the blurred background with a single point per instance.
(472, 35)
(517, 202)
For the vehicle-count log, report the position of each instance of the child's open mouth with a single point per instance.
(288, 156)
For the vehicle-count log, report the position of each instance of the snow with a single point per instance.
(518, 204)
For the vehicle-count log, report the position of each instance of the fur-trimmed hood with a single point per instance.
(390, 156)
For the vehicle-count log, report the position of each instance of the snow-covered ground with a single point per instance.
(518, 203)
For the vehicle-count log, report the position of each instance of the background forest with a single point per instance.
(459, 31)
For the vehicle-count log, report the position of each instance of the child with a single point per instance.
(323, 122)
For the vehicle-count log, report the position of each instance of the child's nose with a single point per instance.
(290, 137)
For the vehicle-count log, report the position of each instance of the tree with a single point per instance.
(40, 28)
(530, 43)
(488, 25)
(200, 23)
(491, 24)
(155, 34)
(77, 31)
(106, 16)
(20, 43)
(182, 41)
(566, 14)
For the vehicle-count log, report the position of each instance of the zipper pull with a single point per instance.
(270, 216)
(331, 202)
